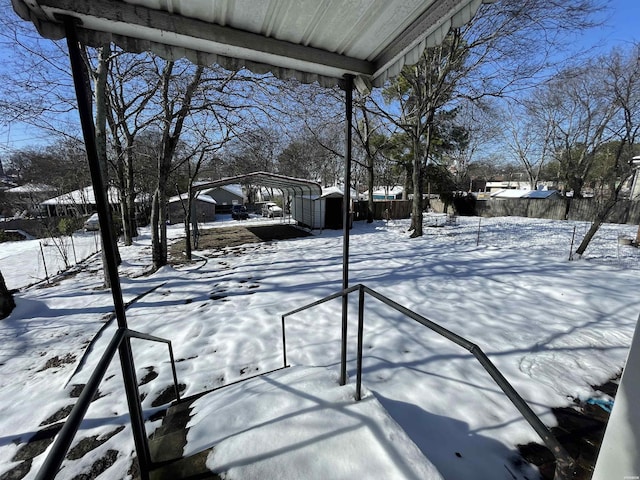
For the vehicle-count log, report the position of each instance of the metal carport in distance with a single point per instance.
(288, 186)
(360, 43)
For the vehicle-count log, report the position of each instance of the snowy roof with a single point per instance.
(203, 197)
(83, 196)
(336, 191)
(397, 190)
(511, 193)
(31, 188)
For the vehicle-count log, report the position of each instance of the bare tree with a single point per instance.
(620, 72)
(527, 133)
(504, 48)
(373, 141)
(213, 132)
(579, 111)
(129, 88)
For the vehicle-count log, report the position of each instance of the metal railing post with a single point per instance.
(360, 340)
(284, 345)
(564, 462)
(135, 408)
(173, 371)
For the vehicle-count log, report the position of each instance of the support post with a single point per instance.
(360, 340)
(346, 201)
(80, 74)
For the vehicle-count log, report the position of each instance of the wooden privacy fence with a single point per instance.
(383, 209)
(580, 209)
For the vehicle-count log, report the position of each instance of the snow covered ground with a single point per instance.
(553, 327)
(31, 261)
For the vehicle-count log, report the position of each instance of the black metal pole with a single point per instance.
(346, 201)
(79, 72)
(284, 345)
(360, 340)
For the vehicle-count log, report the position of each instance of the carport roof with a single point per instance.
(311, 40)
(269, 180)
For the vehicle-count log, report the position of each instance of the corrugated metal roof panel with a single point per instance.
(310, 40)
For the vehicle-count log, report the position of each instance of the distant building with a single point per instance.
(203, 207)
(385, 193)
(77, 203)
(506, 185)
(538, 194)
(226, 196)
(320, 211)
(28, 197)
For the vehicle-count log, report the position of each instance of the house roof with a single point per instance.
(234, 189)
(512, 193)
(336, 191)
(83, 196)
(540, 194)
(397, 190)
(309, 40)
(31, 188)
(201, 196)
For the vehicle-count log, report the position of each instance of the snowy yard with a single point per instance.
(553, 327)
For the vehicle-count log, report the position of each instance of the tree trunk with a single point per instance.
(7, 304)
(187, 228)
(416, 206)
(130, 193)
(156, 252)
(370, 186)
(101, 147)
(599, 220)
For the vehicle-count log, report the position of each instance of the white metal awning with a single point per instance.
(288, 185)
(310, 40)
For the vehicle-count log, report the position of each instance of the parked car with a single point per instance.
(92, 223)
(239, 212)
(271, 209)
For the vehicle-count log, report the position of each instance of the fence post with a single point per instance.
(478, 236)
(73, 247)
(571, 247)
(44, 262)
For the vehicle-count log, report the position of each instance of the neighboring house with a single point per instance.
(226, 196)
(506, 185)
(28, 197)
(533, 194)
(320, 211)
(385, 193)
(203, 208)
(77, 203)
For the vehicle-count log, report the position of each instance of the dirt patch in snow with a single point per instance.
(221, 238)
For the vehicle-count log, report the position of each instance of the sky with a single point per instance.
(624, 24)
(553, 327)
(621, 27)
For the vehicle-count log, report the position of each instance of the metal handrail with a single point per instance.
(564, 462)
(68, 431)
